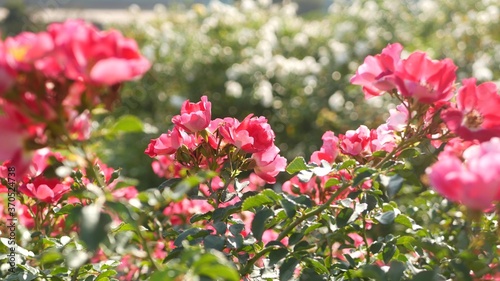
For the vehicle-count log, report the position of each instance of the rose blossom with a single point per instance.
(473, 182)
(269, 164)
(46, 190)
(253, 134)
(376, 74)
(424, 79)
(328, 151)
(356, 142)
(194, 117)
(477, 112)
(168, 143)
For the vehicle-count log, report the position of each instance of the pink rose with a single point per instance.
(328, 151)
(474, 182)
(476, 115)
(398, 118)
(194, 117)
(46, 190)
(12, 150)
(376, 74)
(167, 143)
(424, 79)
(254, 134)
(269, 164)
(356, 142)
(26, 48)
(83, 52)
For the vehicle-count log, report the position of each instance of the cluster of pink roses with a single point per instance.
(471, 114)
(51, 80)
(197, 141)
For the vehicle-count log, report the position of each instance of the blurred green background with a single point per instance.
(290, 63)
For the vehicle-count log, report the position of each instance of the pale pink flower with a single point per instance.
(376, 74)
(477, 112)
(383, 139)
(268, 164)
(398, 118)
(194, 117)
(80, 125)
(473, 182)
(424, 79)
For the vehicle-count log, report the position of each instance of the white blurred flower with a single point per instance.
(233, 89)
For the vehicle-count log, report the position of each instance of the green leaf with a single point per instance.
(93, 226)
(298, 164)
(276, 255)
(344, 216)
(105, 275)
(215, 266)
(404, 220)
(288, 268)
(409, 153)
(50, 257)
(362, 176)
(214, 242)
(427, 276)
(370, 271)
(388, 252)
(346, 164)
(127, 124)
(266, 197)
(332, 182)
(386, 218)
(259, 222)
(295, 238)
(318, 266)
(393, 185)
(236, 229)
(289, 207)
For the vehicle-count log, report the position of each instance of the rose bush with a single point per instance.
(413, 199)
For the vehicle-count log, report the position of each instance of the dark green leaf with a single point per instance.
(388, 252)
(276, 255)
(295, 238)
(289, 207)
(288, 268)
(214, 242)
(344, 216)
(362, 176)
(394, 185)
(318, 266)
(236, 229)
(259, 222)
